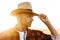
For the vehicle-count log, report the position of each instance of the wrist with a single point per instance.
(46, 22)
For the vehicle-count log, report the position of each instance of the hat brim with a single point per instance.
(19, 11)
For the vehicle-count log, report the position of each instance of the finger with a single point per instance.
(43, 15)
(35, 14)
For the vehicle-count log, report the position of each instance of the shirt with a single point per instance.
(23, 36)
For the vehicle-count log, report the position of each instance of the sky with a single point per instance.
(51, 8)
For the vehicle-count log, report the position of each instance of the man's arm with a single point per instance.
(51, 28)
(45, 20)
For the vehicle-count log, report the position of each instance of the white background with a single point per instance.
(49, 7)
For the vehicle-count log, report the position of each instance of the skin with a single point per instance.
(25, 20)
(45, 20)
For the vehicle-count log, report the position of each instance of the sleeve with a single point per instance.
(55, 37)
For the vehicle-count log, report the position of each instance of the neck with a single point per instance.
(21, 28)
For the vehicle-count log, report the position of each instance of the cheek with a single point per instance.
(26, 21)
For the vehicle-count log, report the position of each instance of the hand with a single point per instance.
(43, 17)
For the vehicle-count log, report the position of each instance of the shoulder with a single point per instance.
(10, 32)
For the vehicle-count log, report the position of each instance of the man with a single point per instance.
(24, 15)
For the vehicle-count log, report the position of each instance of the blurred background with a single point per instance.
(49, 7)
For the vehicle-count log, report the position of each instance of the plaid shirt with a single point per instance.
(31, 35)
(37, 35)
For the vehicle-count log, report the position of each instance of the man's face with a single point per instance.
(25, 19)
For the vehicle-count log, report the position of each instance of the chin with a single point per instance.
(29, 26)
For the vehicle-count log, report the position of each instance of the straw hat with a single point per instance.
(23, 8)
(25, 5)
